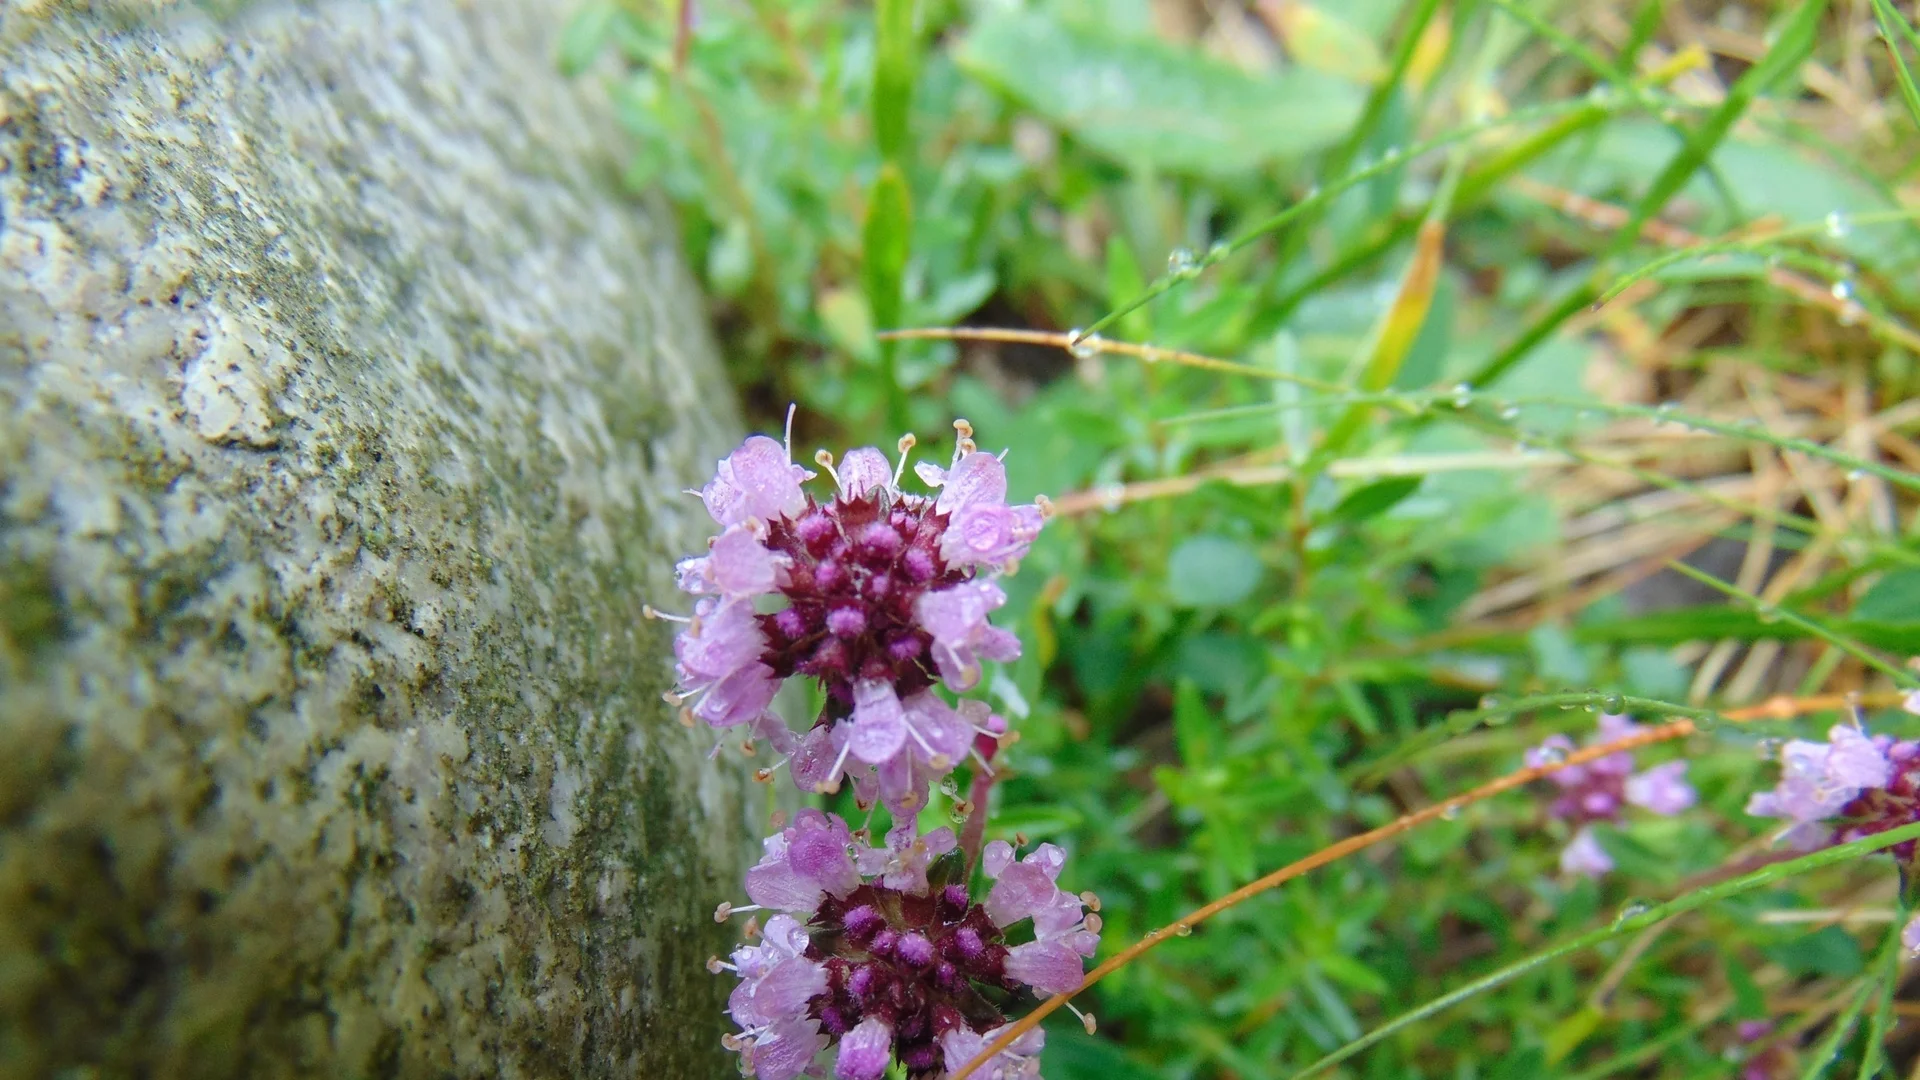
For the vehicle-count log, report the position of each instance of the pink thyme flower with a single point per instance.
(1853, 785)
(1600, 791)
(875, 592)
(896, 961)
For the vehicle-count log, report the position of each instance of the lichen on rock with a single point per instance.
(345, 406)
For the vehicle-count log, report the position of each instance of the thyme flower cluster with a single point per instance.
(882, 597)
(1601, 790)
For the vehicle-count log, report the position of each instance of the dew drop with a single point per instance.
(1767, 613)
(1767, 749)
(1842, 290)
(1180, 263)
(950, 787)
(1706, 721)
(956, 815)
(1084, 348)
(1182, 930)
(1551, 754)
(1491, 701)
(1602, 94)
(1837, 225)
(1632, 910)
(1112, 496)
(1510, 412)
(1312, 193)
(1220, 250)
(1451, 813)
(1390, 155)
(1462, 395)
(1613, 703)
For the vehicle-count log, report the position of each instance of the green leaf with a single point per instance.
(1827, 951)
(1147, 103)
(1212, 571)
(1375, 499)
(586, 33)
(1895, 598)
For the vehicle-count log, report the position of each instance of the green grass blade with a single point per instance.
(1320, 197)
(884, 246)
(895, 59)
(1627, 924)
(1794, 43)
(1874, 1053)
(1894, 28)
(1900, 677)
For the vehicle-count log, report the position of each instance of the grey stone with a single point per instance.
(343, 406)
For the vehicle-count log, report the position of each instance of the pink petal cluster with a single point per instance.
(1600, 791)
(875, 592)
(1851, 786)
(893, 955)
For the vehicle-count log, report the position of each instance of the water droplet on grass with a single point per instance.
(1837, 225)
(1633, 909)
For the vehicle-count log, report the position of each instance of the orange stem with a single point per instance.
(1776, 708)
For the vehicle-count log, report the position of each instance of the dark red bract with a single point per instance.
(919, 963)
(857, 567)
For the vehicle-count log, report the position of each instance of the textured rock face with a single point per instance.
(342, 407)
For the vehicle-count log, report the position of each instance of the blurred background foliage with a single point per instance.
(1292, 601)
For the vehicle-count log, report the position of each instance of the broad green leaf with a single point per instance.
(1321, 40)
(1895, 598)
(1212, 571)
(1148, 103)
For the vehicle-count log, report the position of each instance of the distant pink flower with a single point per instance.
(1852, 786)
(1601, 790)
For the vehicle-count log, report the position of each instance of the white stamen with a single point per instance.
(717, 965)
(974, 753)
(787, 440)
(824, 459)
(905, 445)
(1086, 1019)
(832, 783)
(648, 611)
(726, 911)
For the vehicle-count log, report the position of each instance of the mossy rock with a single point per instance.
(344, 407)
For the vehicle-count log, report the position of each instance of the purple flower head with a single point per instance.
(875, 592)
(896, 961)
(1600, 791)
(1853, 785)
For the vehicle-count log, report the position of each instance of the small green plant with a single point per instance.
(1413, 383)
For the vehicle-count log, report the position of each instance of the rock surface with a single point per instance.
(343, 405)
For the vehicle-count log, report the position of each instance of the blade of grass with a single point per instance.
(1321, 196)
(884, 244)
(895, 59)
(1629, 922)
(1764, 609)
(1872, 1056)
(1895, 28)
(1793, 44)
(1340, 159)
